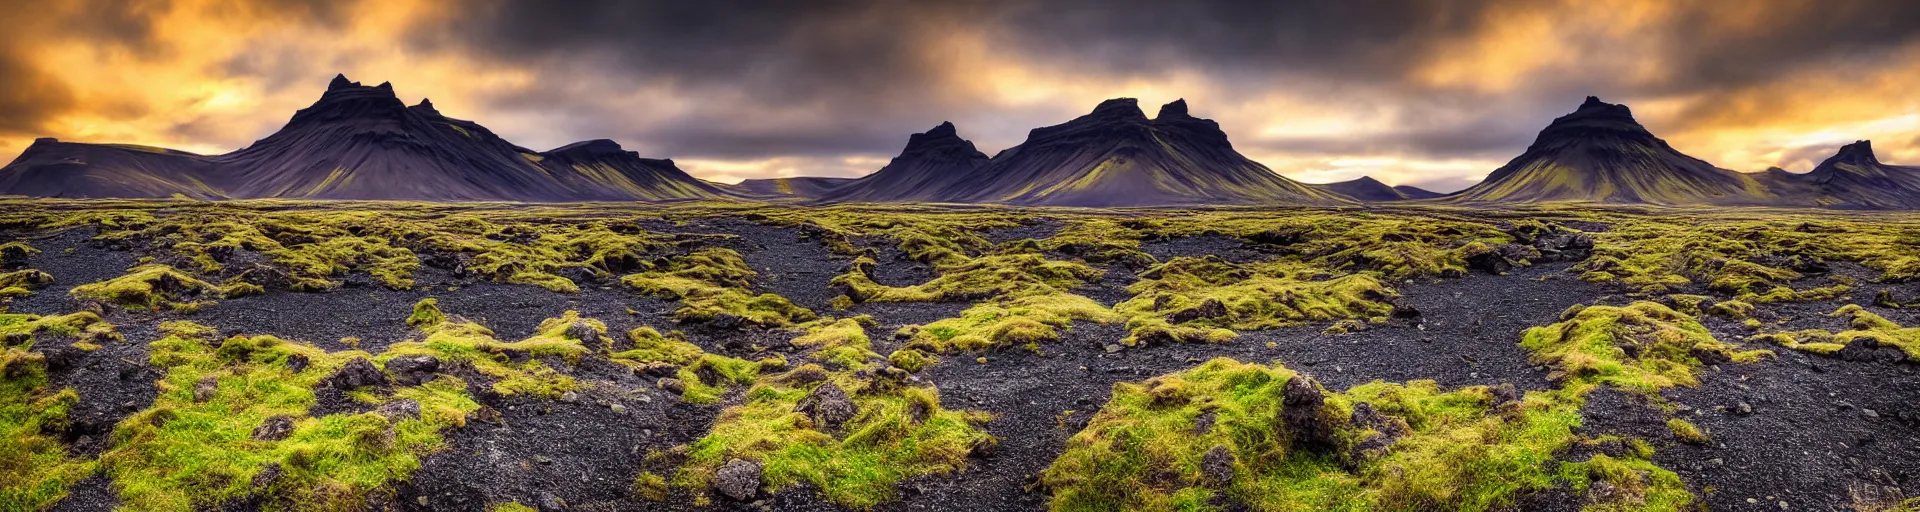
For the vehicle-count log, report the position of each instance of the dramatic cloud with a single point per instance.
(1434, 93)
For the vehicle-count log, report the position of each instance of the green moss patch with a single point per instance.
(35, 468)
(715, 283)
(1025, 321)
(1642, 347)
(1269, 439)
(1865, 330)
(156, 287)
(1202, 299)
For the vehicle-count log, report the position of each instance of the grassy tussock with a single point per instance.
(35, 468)
(1207, 298)
(1642, 347)
(1865, 328)
(715, 282)
(894, 430)
(157, 287)
(1465, 449)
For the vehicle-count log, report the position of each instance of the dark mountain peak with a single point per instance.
(340, 82)
(942, 139)
(1175, 110)
(1857, 153)
(345, 100)
(1777, 171)
(1119, 108)
(1595, 119)
(588, 149)
(426, 107)
(1369, 181)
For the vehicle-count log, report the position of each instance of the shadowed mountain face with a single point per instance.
(1599, 153)
(801, 188)
(1371, 190)
(936, 165)
(359, 142)
(1851, 178)
(1115, 156)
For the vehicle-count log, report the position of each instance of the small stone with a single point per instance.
(414, 369)
(581, 331)
(1743, 409)
(542, 459)
(1113, 347)
(203, 390)
(1870, 413)
(405, 408)
(550, 503)
(828, 406)
(570, 397)
(738, 479)
(357, 373)
(275, 428)
(617, 408)
(672, 385)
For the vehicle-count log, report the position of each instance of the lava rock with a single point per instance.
(828, 406)
(1216, 466)
(1385, 430)
(275, 428)
(581, 331)
(738, 479)
(356, 374)
(413, 369)
(671, 385)
(14, 256)
(405, 408)
(204, 389)
(1305, 414)
(1211, 308)
(298, 362)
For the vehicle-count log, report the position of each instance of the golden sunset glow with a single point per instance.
(210, 77)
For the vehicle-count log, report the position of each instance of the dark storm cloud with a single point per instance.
(30, 96)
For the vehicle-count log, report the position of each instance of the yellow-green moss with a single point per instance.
(1642, 347)
(1687, 432)
(152, 286)
(1461, 449)
(713, 282)
(35, 468)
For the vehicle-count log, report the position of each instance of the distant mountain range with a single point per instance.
(360, 142)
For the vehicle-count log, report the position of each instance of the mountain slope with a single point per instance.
(800, 187)
(1599, 153)
(934, 165)
(1853, 178)
(50, 168)
(1371, 190)
(1115, 156)
(359, 142)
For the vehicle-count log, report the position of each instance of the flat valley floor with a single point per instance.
(179, 355)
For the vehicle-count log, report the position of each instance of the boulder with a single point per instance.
(1211, 308)
(275, 428)
(413, 369)
(581, 331)
(738, 479)
(828, 406)
(356, 374)
(1309, 422)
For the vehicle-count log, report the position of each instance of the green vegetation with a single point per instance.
(844, 424)
(1271, 439)
(21, 283)
(35, 468)
(1198, 299)
(1750, 258)
(1687, 432)
(1641, 347)
(157, 287)
(204, 441)
(714, 284)
(1866, 330)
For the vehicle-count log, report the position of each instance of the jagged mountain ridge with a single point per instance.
(360, 142)
(1367, 189)
(1852, 178)
(1116, 156)
(1599, 153)
(934, 166)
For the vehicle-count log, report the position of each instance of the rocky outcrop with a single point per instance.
(936, 165)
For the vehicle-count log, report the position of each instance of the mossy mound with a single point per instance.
(848, 425)
(1226, 435)
(36, 469)
(1642, 347)
(1007, 275)
(201, 444)
(157, 287)
(1867, 334)
(1025, 321)
(715, 285)
(21, 283)
(1203, 299)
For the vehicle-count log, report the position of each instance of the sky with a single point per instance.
(1426, 93)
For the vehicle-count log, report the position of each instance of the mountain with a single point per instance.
(1852, 178)
(935, 165)
(1115, 156)
(359, 142)
(51, 168)
(1413, 192)
(1599, 153)
(801, 187)
(1370, 190)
